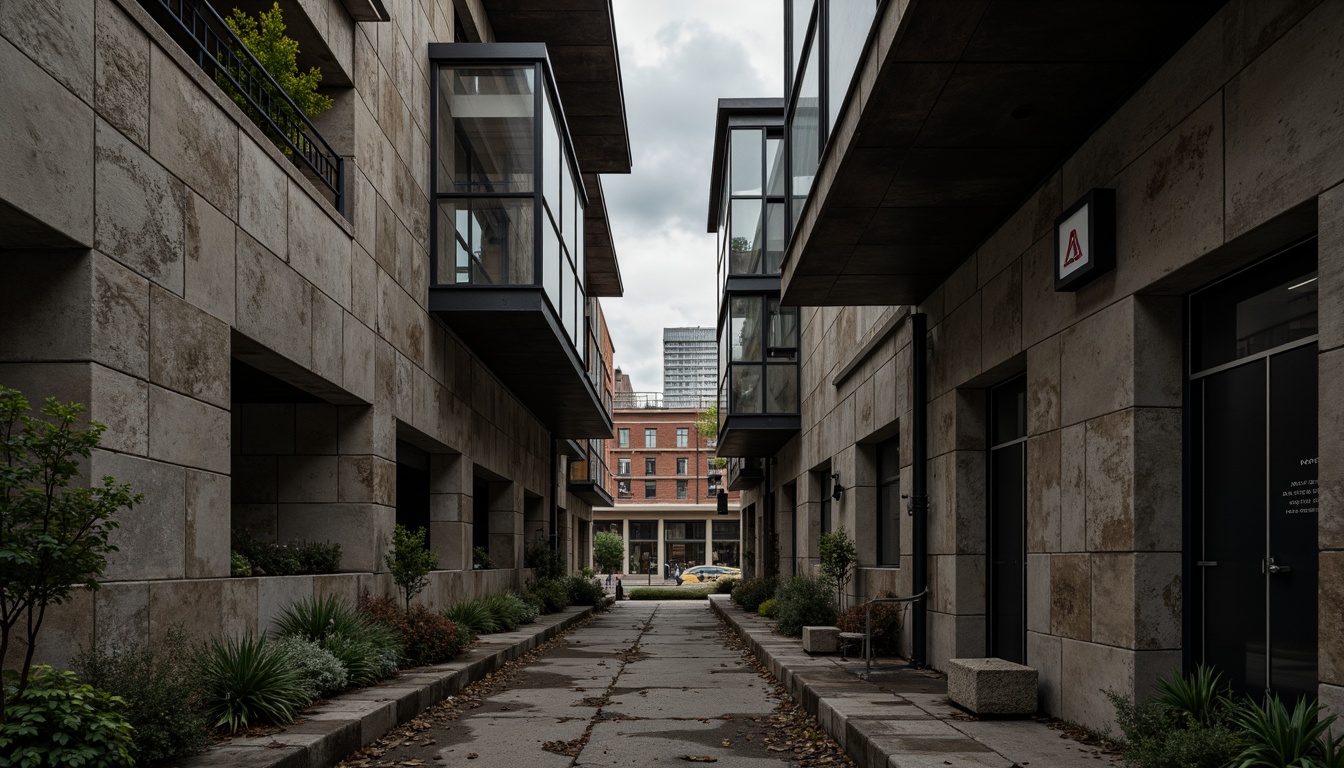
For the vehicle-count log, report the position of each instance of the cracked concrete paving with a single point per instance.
(642, 684)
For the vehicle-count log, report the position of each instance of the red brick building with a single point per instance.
(667, 488)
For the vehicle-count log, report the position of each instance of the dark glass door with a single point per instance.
(1254, 493)
(1007, 602)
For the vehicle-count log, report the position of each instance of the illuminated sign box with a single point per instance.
(1085, 240)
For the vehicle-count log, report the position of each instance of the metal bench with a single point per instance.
(867, 635)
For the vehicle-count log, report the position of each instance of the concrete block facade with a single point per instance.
(1226, 154)
(156, 241)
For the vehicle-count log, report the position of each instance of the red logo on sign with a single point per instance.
(1075, 251)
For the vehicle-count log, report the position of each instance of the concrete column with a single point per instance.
(450, 510)
(506, 524)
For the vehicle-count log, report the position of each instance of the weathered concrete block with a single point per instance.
(210, 260)
(120, 334)
(122, 57)
(1070, 596)
(992, 686)
(821, 639)
(191, 135)
(151, 540)
(187, 431)
(208, 518)
(263, 199)
(139, 210)
(274, 306)
(189, 349)
(319, 249)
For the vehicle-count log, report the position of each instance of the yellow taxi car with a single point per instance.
(701, 574)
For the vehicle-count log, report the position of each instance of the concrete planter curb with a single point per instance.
(334, 729)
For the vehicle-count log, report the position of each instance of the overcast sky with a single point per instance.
(678, 58)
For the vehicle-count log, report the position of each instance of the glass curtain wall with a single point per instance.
(826, 40)
(685, 543)
(760, 340)
(643, 546)
(726, 535)
(508, 195)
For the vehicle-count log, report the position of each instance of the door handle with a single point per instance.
(1273, 568)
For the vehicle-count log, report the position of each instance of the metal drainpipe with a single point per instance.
(555, 496)
(919, 498)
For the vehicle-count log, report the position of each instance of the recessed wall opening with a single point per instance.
(480, 514)
(412, 491)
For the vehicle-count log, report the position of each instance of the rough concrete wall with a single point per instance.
(1199, 158)
(186, 237)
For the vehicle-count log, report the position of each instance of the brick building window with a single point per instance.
(681, 489)
(683, 437)
(650, 489)
(622, 466)
(651, 466)
(681, 466)
(650, 437)
(623, 437)
(623, 488)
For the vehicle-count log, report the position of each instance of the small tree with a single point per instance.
(410, 561)
(53, 539)
(837, 561)
(265, 37)
(707, 423)
(608, 551)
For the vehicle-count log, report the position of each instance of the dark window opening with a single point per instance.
(412, 494)
(480, 514)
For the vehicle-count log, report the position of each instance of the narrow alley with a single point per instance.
(643, 684)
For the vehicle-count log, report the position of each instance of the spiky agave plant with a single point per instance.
(1201, 695)
(1281, 740)
(247, 682)
(475, 615)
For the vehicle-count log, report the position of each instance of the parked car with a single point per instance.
(701, 574)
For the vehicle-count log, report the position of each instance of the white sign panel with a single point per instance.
(1085, 240)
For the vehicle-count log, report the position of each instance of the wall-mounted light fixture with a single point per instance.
(839, 489)
(722, 502)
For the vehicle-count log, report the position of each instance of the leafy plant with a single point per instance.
(1279, 739)
(584, 591)
(58, 721)
(410, 561)
(368, 651)
(768, 609)
(750, 593)
(322, 673)
(54, 539)
(474, 615)
(248, 681)
(553, 593)
(319, 556)
(161, 692)
(527, 610)
(1190, 725)
(1200, 695)
(886, 626)
(725, 586)
(803, 601)
(837, 561)
(239, 566)
(480, 559)
(503, 609)
(608, 551)
(547, 563)
(667, 593)
(278, 54)
(253, 557)
(426, 637)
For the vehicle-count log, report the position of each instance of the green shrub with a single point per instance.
(161, 692)
(480, 559)
(804, 601)
(278, 53)
(750, 593)
(584, 591)
(528, 611)
(886, 626)
(426, 637)
(247, 681)
(504, 610)
(767, 608)
(253, 557)
(322, 673)
(667, 593)
(546, 562)
(474, 615)
(60, 721)
(368, 651)
(1190, 725)
(725, 586)
(553, 594)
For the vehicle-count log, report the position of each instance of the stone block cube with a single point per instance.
(821, 639)
(992, 686)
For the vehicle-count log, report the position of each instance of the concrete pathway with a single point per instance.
(644, 684)
(647, 683)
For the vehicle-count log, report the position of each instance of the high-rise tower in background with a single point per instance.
(690, 360)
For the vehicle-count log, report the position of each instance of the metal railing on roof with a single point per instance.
(660, 400)
(205, 36)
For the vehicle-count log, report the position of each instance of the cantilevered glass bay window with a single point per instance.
(762, 365)
(508, 194)
(507, 218)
